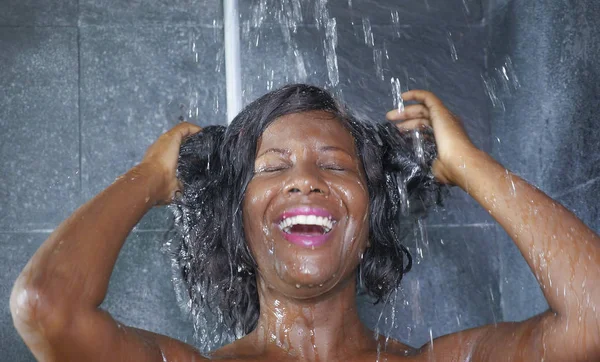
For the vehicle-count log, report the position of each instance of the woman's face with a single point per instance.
(305, 211)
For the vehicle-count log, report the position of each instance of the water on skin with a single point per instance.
(499, 82)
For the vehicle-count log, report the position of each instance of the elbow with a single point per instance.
(24, 302)
(28, 313)
(33, 312)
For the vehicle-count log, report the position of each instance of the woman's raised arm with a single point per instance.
(55, 299)
(563, 253)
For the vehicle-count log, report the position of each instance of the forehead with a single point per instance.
(314, 127)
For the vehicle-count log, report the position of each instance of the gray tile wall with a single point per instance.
(547, 128)
(86, 86)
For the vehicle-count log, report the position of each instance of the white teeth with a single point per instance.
(287, 223)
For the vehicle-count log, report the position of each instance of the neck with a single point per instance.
(323, 328)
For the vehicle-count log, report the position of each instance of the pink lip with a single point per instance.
(306, 241)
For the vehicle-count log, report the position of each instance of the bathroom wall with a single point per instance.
(546, 129)
(86, 86)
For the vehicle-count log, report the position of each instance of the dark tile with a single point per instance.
(582, 201)
(521, 294)
(377, 12)
(17, 249)
(556, 144)
(390, 12)
(453, 286)
(38, 13)
(141, 293)
(421, 57)
(459, 208)
(39, 144)
(136, 82)
(269, 62)
(550, 138)
(197, 12)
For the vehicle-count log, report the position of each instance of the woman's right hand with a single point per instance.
(161, 159)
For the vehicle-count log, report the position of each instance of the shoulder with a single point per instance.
(394, 347)
(172, 349)
(244, 347)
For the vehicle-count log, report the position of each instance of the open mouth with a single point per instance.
(308, 227)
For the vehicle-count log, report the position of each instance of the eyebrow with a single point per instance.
(332, 148)
(275, 150)
(286, 152)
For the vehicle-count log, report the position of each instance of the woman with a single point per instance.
(307, 204)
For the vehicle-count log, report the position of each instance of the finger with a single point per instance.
(180, 187)
(414, 124)
(185, 129)
(410, 111)
(425, 97)
(437, 109)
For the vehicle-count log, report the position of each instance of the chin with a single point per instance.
(309, 276)
(303, 272)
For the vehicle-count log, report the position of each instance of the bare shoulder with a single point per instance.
(395, 347)
(506, 341)
(245, 347)
(173, 349)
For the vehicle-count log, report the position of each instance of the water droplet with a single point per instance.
(397, 94)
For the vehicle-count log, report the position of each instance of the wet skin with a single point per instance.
(306, 160)
(307, 295)
(55, 302)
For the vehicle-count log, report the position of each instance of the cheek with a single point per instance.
(355, 198)
(255, 205)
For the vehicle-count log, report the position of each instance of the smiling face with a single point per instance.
(305, 211)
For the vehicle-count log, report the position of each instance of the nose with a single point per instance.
(306, 180)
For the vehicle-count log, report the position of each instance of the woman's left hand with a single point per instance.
(452, 141)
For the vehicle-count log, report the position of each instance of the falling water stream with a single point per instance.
(289, 20)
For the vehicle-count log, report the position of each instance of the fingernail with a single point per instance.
(178, 195)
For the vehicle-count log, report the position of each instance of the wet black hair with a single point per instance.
(215, 272)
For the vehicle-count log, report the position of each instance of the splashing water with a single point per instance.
(396, 22)
(397, 94)
(500, 83)
(453, 52)
(288, 16)
(330, 53)
(368, 32)
(378, 60)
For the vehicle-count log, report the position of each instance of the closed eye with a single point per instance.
(270, 169)
(333, 167)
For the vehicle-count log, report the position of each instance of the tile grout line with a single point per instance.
(500, 274)
(79, 106)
